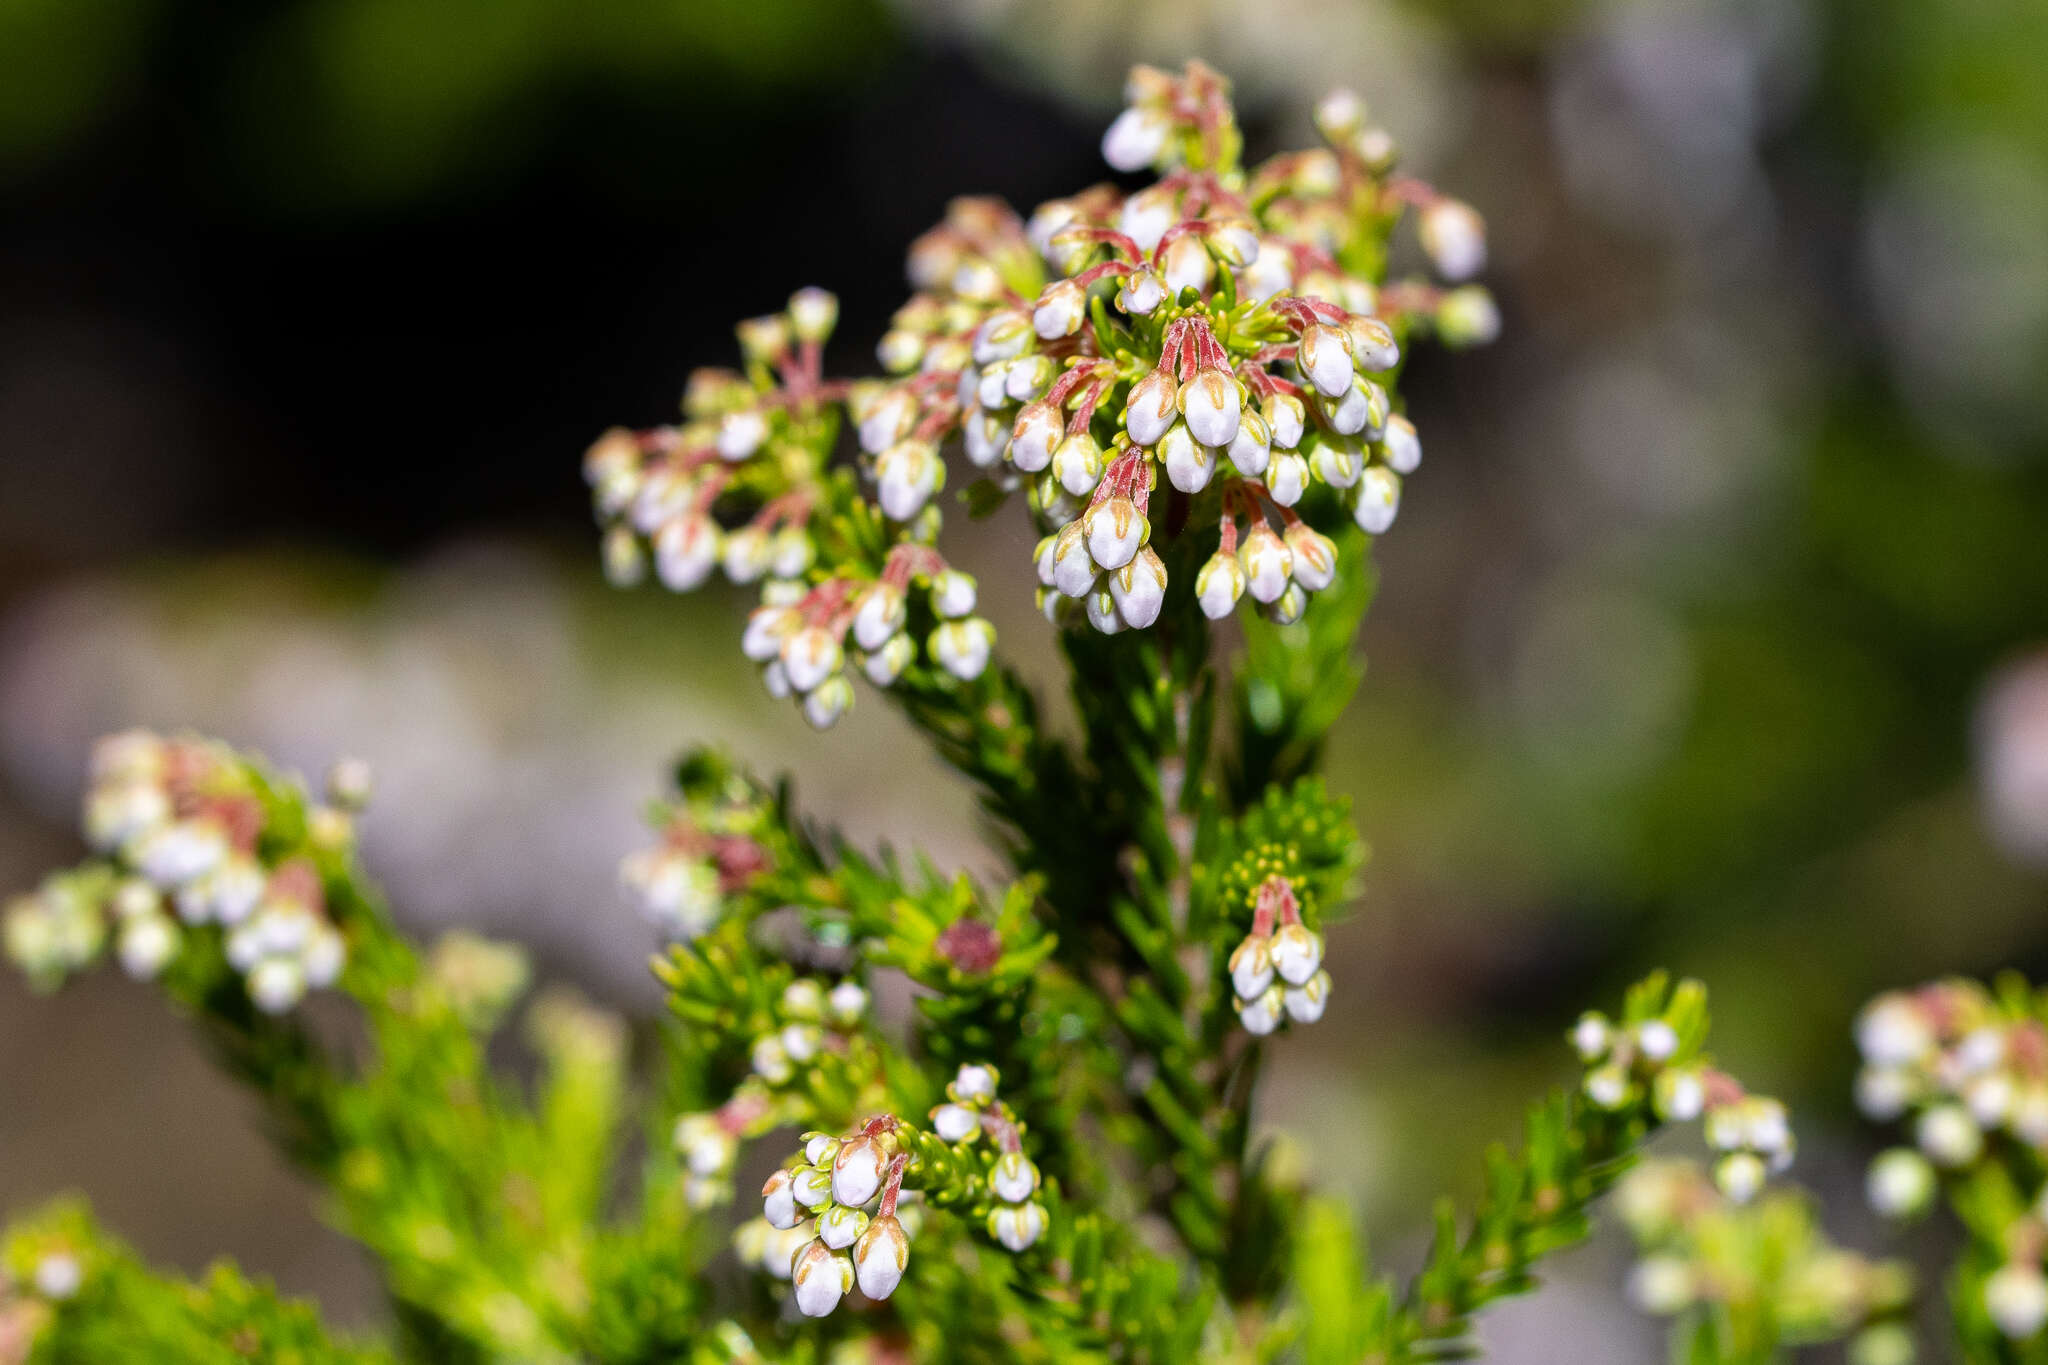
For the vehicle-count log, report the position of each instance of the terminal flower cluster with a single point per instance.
(1194, 378)
(182, 831)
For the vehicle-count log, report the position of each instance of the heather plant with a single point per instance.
(1048, 1153)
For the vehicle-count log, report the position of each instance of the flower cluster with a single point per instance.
(1276, 972)
(181, 823)
(1752, 1133)
(1767, 1262)
(814, 1020)
(1228, 329)
(815, 1214)
(1966, 1071)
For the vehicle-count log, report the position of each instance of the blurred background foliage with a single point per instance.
(1714, 635)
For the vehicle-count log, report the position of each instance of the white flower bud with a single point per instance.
(1187, 265)
(1989, 1098)
(1136, 139)
(813, 313)
(826, 703)
(1307, 1001)
(1267, 276)
(789, 552)
(1114, 531)
(1189, 464)
(1209, 401)
(1028, 377)
(1339, 466)
(974, 1084)
(1661, 1285)
(1680, 1096)
(705, 1146)
(880, 615)
(1218, 585)
(820, 1278)
(233, 889)
(1324, 357)
(1073, 568)
(1102, 612)
(1339, 115)
(880, 1257)
(174, 854)
(885, 665)
(58, 1276)
(955, 1122)
(1315, 556)
(1740, 1175)
(1267, 561)
(1467, 317)
(1402, 447)
(1140, 292)
(1252, 450)
(767, 630)
(778, 1205)
(117, 813)
(625, 563)
(1151, 409)
(1883, 1092)
(1900, 1183)
(1287, 477)
(952, 593)
(985, 436)
(1262, 1015)
(1981, 1050)
(899, 351)
(1013, 1178)
(783, 592)
(1373, 347)
(147, 943)
(1949, 1136)
(963, 647)
(1147, 215)
(1139, 588)
(1033, 438)
(1454, 235)
(906, 476)
(1046, 220)
(1061, 310)
(1285, 420)
(802, 1040)
(745, 554)
(1077, 464)
(1016, 1226)
(1592, 1036)
(2016, 1298)
(820, 1148)
(686, 549)
(1297, 953)
(1659, 1041)
(325, 954)
(1379, 498)
(1351, 413)
(1234, 240)
(276, 984)
(1288, 607)
(779, 1249)
(1252, 966)
(811, 1186)
(740, 434)
(840, 1227)
(846, 1002)
(1607, 1086)
(771, 1060)
(1004, 335)
(809, 656)
(1893, 1031)
(887, 420)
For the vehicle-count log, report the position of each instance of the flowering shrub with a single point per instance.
(1047, 1154)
